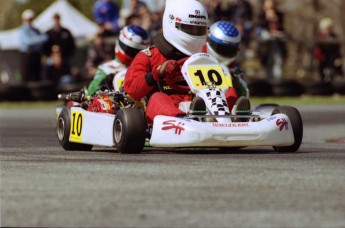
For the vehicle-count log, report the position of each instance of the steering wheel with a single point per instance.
(171, 79)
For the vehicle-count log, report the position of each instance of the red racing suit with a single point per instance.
(139, 83)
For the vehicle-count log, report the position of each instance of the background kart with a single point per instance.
(124, 126)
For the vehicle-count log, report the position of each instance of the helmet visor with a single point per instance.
(194, 30)
(228, 51)
(132, 52)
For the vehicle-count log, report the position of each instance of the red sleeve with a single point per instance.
(135, 83)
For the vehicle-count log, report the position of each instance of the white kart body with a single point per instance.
(177, 132)
(91, 127)
(181, 132)
(97, 128)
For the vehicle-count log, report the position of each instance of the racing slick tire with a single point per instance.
(63, 129)
(130, 130)
(297, 127)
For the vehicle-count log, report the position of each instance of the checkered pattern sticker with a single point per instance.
(219, 104)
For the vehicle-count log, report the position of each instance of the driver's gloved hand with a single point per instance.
(169, 67)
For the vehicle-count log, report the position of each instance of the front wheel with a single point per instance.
(130, 130)
(63, 129)
(297, 127)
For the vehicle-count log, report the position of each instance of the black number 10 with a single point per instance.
(78, 124)
(211, 73)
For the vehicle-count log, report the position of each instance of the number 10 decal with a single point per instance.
(203, 76)
(76, 126)
(210, 74)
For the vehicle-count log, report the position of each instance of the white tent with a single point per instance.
(9, 39)
(79, 25)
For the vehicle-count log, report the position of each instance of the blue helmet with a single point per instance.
(223, 41)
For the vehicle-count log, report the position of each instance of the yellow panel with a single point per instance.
(76, 126)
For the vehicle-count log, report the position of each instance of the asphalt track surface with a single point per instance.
(42, 185)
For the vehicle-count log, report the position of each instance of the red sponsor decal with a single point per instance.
(282, 123)
(178, 19)
(230, 124)
(172, 124)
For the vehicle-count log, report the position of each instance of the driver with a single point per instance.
(185, 27)
(223, 43)
(132, 39)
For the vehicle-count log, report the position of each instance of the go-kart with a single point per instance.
(113, 119)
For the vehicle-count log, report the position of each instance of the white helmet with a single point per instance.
(185, 25)
(224, 41)
(132, 39)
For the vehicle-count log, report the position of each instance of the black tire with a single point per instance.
(297, 128)
(130, 130)
(63, 127)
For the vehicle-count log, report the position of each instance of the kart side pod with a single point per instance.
(176, 132)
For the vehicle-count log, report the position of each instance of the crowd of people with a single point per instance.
(57, 47)
(262, 30)
(265, 28)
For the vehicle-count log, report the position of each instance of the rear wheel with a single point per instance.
(297, 127)
(63, 129)
(130, 130)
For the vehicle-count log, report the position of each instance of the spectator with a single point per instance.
(57, 68)
(103, 30)
(213, 8)
(327, 51)
(145, 17)
(98, 53)
(133, 19)
(135, 5)
(241, 10)
(136, 12)
(62, 38)
(31, 42)
(272, 37)
(106, 12)
(129, 14)
(241, 13)
(156, 23)
(219, 10)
